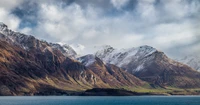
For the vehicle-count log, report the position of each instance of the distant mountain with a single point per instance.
(78, 48)
(65, 49)
(124, 56)
(29, 66)
(151, 65)
(192, 61)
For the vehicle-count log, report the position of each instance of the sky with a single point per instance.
(171, 26)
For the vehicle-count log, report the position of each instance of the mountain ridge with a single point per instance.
(29, 42)
(192, 61)
(151, 65)
(29, 66)
(41, 68)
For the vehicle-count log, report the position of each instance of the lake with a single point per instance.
(100, 100)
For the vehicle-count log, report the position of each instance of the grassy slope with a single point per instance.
(164, 91)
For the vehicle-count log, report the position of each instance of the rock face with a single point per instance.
(23, 72)
(30, 66)
(151, 65)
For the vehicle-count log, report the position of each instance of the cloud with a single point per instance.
(147, 10)
(10, 4)
(80, 49)
(11, 20)
(119, 3)
(63, 24)
(6, 16)
(169, 25)
(174, 36)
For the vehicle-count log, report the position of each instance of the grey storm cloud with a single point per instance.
(168, 25)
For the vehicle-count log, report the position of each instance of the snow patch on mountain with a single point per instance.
(87, 59)
(3, 27)
(65, 49)
(140, 67)
(123, 57)
(13, 37)
(79, 48)
(119, 57)
(192, 61)
(27, 41)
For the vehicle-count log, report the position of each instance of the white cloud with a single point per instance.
(25, 30)
(163, 25)
(147, 10)
(9, 19)
(80, 49)
(147, 1)
(177, 9)
(119, 3)
(62, 24)
(90, 33)
(9, 4)
(130, 40)
(6, 17)
(74, 24)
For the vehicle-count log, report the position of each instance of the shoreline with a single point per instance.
(102, 92)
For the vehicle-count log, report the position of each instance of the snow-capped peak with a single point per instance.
(65, 49)
(104, 50)
(2, 24)
(3, 27)
(13, 37)
(191, 60)
(146, 50)
(121, 57)
(79, 48)
(27, 42)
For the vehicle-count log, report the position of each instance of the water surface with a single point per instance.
(100, 100)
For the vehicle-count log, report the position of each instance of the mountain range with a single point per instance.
(191, 60)
(151, 65)
(30, 66)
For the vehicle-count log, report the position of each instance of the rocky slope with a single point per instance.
(23, 72)
(109, 73)
(29, 66)
(152, 66)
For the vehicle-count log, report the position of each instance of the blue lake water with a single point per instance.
(100, 100)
